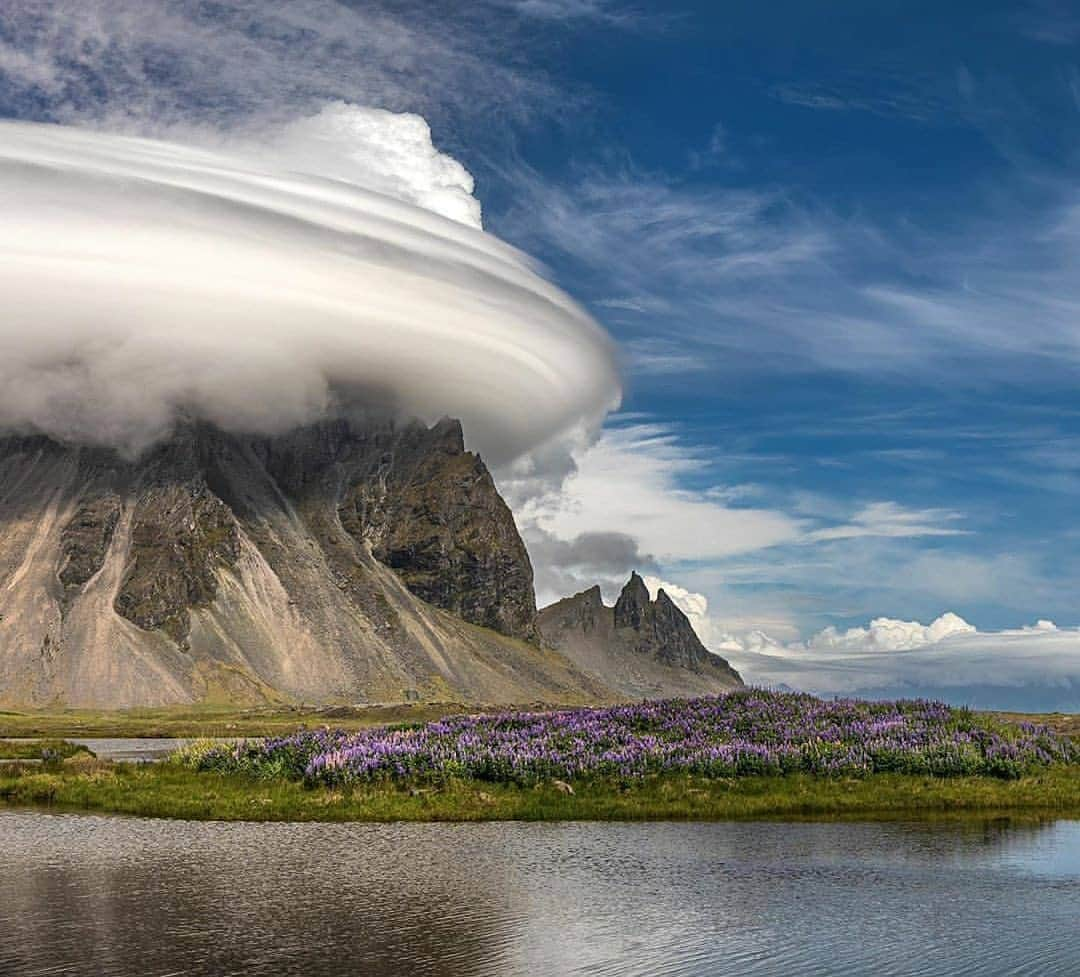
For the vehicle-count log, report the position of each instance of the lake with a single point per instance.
(108, 896)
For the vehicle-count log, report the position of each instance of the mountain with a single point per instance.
(342, 562)
(640, 647)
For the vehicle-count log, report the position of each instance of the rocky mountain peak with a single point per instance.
(349, 558)
(632, 606)
(449, 435)
(644, 647)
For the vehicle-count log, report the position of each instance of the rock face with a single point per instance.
(433, 514)
(343, 562)
(641, 647)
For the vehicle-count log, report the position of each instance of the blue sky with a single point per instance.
(839, 252)
(838, 245)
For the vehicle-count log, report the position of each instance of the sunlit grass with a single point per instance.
(171, 791)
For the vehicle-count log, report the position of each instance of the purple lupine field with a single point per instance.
(742, 733)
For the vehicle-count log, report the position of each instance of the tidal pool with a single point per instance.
(116, 896)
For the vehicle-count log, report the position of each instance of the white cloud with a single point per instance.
(610, 13)
(694, 605)
(1031, 668)
(152, 277)
(659, 357)
(889, 634)
(560, 9)
(892, 520)
(687, 601)
(766, 279)
(152, 67)
(713, 629)
(628, 482)
(388, 152)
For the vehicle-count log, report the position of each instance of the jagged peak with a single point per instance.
(636, 587)
(633, 603)
(634, 636)
(593, 597)
(663, 598)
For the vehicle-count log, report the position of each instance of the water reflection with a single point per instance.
(110, 896)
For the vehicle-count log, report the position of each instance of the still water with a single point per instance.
(143, 749)
(117, 896)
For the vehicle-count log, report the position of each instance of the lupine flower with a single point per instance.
(742, 733)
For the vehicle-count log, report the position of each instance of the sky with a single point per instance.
(838, 258)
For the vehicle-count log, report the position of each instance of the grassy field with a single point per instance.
(169, 790)
(192, 722)
(198, 721)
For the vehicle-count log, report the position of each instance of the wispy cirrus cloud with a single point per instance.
(733, 273)
(892, 520)
(606, 12)
(153, 66)
(921, 100)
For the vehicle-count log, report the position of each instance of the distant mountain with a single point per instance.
(342, 562)
(639, 647)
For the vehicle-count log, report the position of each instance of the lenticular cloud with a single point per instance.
(143, 278)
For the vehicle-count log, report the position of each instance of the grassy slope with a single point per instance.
(167, 790)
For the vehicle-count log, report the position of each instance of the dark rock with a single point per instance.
(633, 605)
(180, 535)
(85, 540)
(430, 511)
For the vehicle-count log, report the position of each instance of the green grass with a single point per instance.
(190, 722)
(36, 749)
(171, 791)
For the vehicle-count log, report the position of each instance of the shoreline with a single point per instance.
(166, 790)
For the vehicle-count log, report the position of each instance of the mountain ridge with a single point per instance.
(642, 647)
(346, 562)
(244, 566)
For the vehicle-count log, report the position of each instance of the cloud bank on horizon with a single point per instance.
(152, 277)
(1029, 669)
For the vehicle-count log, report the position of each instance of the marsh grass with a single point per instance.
(47, 750)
